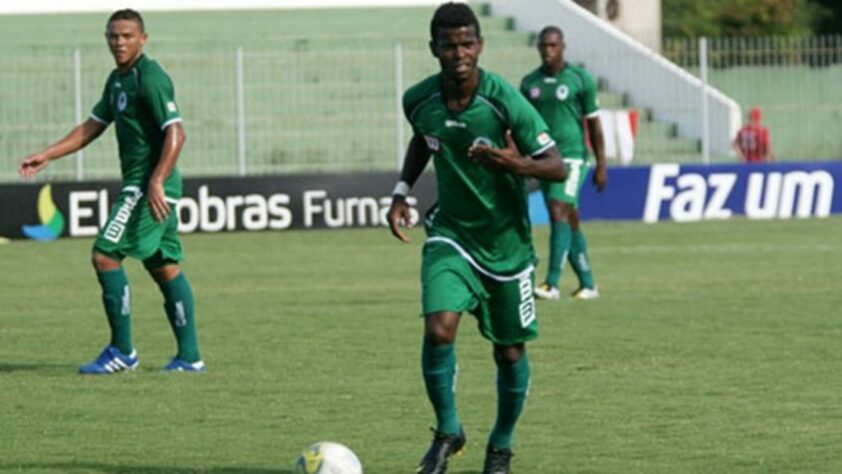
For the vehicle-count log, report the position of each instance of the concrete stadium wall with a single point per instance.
(78, 6)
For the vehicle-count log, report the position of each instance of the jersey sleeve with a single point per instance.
(408, 107)
(529, 130)
(159, 95)
(590, 105)
(102, 110)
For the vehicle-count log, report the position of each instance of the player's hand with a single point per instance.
(32, 165)
(503, 159)
(158, 201)
(600, 178)
(399, 211)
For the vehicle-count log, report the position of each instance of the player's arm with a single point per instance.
(770, 153)
(546, 165)
(417, 157)
(600, 176)
(736, 146)
(78, 138)
(174, 139)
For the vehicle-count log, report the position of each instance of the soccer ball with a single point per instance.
(327, 457)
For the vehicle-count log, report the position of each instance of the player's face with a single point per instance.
(457, 50)
(551, 49)
(126, 40)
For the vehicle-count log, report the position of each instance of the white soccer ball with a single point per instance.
(327, 457)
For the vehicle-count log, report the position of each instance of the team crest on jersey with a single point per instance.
(122, 100)
(171, 106)
(481, 141)
(544, 138)
(535, 92)
(562, 92)
(432, 143)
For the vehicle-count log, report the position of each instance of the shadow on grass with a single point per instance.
(9, 368)
(121, 469)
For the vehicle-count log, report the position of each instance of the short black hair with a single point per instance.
(549, 30)
(453, 15)
(127, 14)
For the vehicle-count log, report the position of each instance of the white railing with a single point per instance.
(649, 80)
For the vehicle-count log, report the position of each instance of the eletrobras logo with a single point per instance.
(209, 211)
(52, 221)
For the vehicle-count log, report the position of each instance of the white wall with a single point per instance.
(640, 19)
(649, 79)
(73, 6)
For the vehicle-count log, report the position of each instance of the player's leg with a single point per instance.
(108, 253)
(119, 355)
(560, 238)
(510, 321)
(179, 307)
(438, 364)
(161, 246)
(579, 261)
(513, 376)
(446, 292)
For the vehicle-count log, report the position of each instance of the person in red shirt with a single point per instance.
(752, 143)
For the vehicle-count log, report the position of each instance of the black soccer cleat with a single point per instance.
(444, 446)
(497, 460)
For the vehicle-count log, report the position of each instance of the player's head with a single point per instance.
(455, 40)
(126, 36)
(551, 46)
(754, 115)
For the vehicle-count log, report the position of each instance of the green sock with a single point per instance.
(560, 236)
(512, 388)
(178, 303)
(438, 364)
(116, 298)
(578, 258)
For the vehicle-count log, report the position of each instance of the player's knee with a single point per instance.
(559, 211)
(165, 273)
(439, 336)
(103, 263)
(508, 355)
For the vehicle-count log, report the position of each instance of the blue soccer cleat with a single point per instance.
(111, 361)
(178, 365)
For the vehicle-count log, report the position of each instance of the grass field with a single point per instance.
(715, 349)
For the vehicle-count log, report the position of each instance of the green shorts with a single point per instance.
(130, 231)
(568, 190)
(503, 305)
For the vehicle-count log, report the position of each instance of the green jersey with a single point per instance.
(564, 100)
(480, 211)
(142, 104)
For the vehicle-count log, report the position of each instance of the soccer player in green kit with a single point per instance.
(485, 140)
(565, 95)
(143, 224)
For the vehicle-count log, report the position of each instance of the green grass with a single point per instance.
(714, 349)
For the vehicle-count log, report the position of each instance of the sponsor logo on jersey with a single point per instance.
(527, 301)
(535, 92)
(455, 124)
(481, 141)
(562, 92)
(122, 100)
(171, 106)
(432, 143)
(550, 80)
(115, 229)
(544, 138)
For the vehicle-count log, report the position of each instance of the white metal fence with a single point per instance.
(335, 109)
